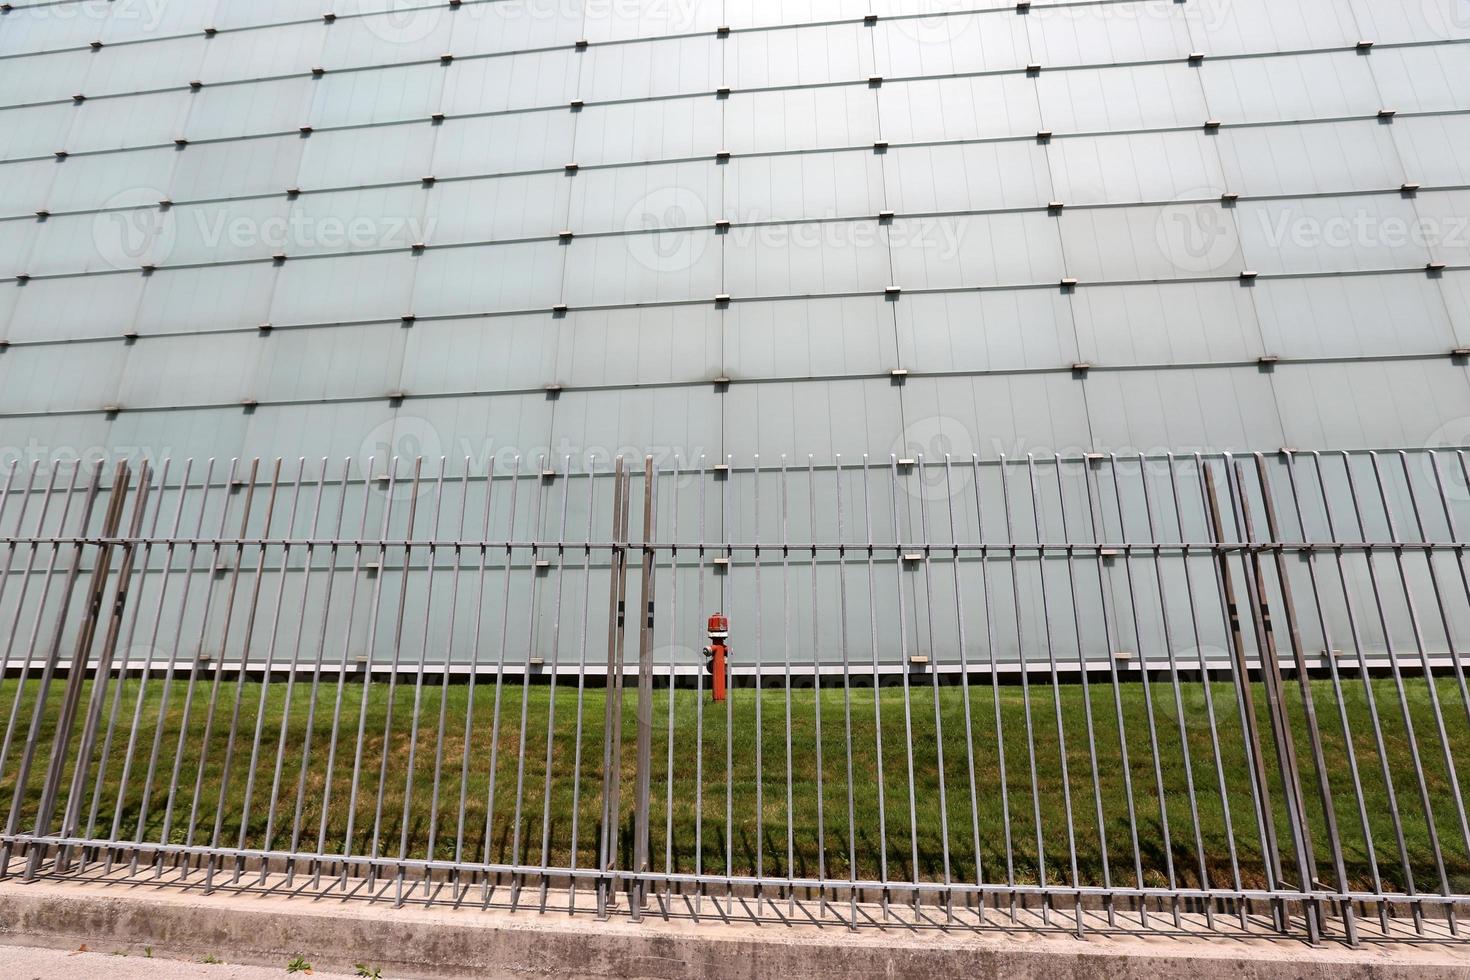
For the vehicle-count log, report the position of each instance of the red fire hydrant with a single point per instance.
(715, 653)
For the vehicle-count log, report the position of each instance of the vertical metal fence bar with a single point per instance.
(616, 855)
(1330, 655)
(581, 686)
(120, 680)
(1156, 543)
(1460, 559)
(133, 731)
(1444, 620)
(1399, 689)
(611, 755)
(532, 620)
(6, 567)
(933, 666)
(646, 625)
(391, 699)
(615, 806)
(1083, 672)
(727, 532)
(1245, 701)
(265, 675)
(878, 773)
(1459, 551)
(309, 732)
(1360, 652)
(760, 652)
(1056, 689)
(467, 753)
(165, 695)
(242, 674)
(1097, 524)
(852, 865)
(1436, 714)
(673, 685)
(786, 659)
(565, 477)
(61, 614)
(962, 639)
(1148, 701)
(389, 488)
(699, 712)
(218, 662)
(33, 850)
(1453, 647)
(1207, 684)
(1309, 709)
(821, 789)
(990, 649)
(278, 770)
(1025, 672)
(12, 820)
(507, 572)
(899, 560)
(430, 558)
(673, 620)
(116, 611)
(457, 555)
(77, 671)
(1276, 707)
(331, 762)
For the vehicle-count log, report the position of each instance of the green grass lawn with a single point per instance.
(908, 831)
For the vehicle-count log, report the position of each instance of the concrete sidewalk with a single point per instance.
(334, 934)
(32, 963)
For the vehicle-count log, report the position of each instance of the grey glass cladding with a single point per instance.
(515, 229)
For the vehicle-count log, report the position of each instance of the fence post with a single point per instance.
(71, 817)
(1241, 677)
(1309, 707)
(612, 715)
(641, 840)
(76, 674)
(1286, 761)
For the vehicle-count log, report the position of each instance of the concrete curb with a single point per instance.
(419, 942)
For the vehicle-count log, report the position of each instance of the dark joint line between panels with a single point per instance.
(1031, 71)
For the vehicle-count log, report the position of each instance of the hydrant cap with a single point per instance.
(719, 625)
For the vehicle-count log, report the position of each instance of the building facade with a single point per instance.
(509, 229)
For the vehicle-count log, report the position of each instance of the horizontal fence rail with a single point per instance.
(1131, 688)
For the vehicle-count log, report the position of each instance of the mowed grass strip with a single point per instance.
(931, 793)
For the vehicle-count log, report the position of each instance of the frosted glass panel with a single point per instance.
(1001, 230)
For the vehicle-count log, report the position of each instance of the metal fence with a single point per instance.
(1110, 689)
